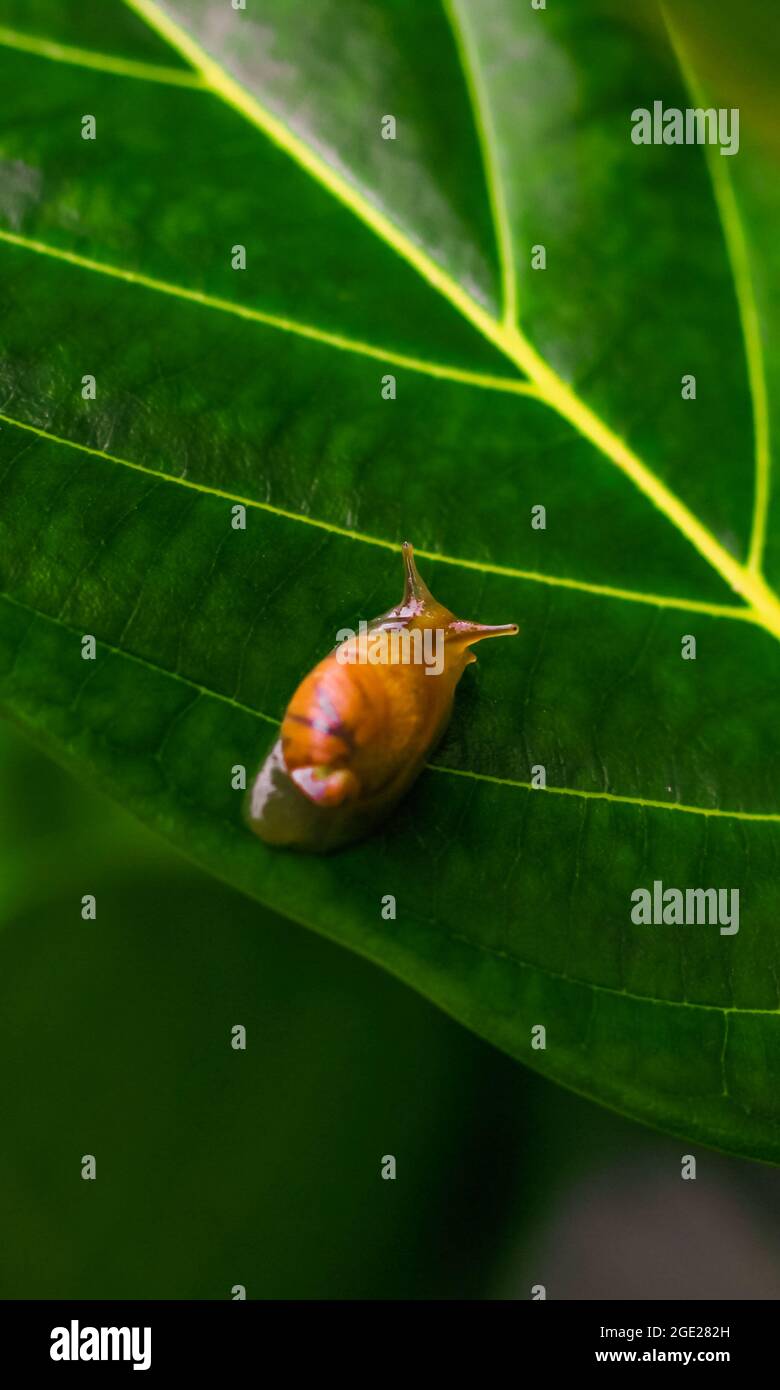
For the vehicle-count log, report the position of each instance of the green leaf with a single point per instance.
(515, 387)
(296, 1125)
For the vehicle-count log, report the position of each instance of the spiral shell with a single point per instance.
(359, 728)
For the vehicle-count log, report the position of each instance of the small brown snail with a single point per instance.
(360, 726)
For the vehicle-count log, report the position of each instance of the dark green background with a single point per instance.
(263, 1168)
(217, 1167)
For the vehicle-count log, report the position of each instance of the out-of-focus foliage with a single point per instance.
(217, 387)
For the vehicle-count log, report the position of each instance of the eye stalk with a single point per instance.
(356, 735)
(469, 633)
(415, 588)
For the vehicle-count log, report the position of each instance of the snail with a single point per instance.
(358, 730)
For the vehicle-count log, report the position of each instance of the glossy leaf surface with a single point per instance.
(515, 387)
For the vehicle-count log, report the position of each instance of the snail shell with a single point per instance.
(359, 728)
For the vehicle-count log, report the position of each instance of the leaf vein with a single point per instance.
(645, 803)
(714, 610)
(738, 252)
(486, 135)
(441, 371)
(505, 336)
(99, 62)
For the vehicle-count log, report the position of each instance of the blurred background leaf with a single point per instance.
(512, 907)
(217, 1167)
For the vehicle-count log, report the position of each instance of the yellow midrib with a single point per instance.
(743, 580)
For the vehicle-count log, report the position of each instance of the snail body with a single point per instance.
(359, 728)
